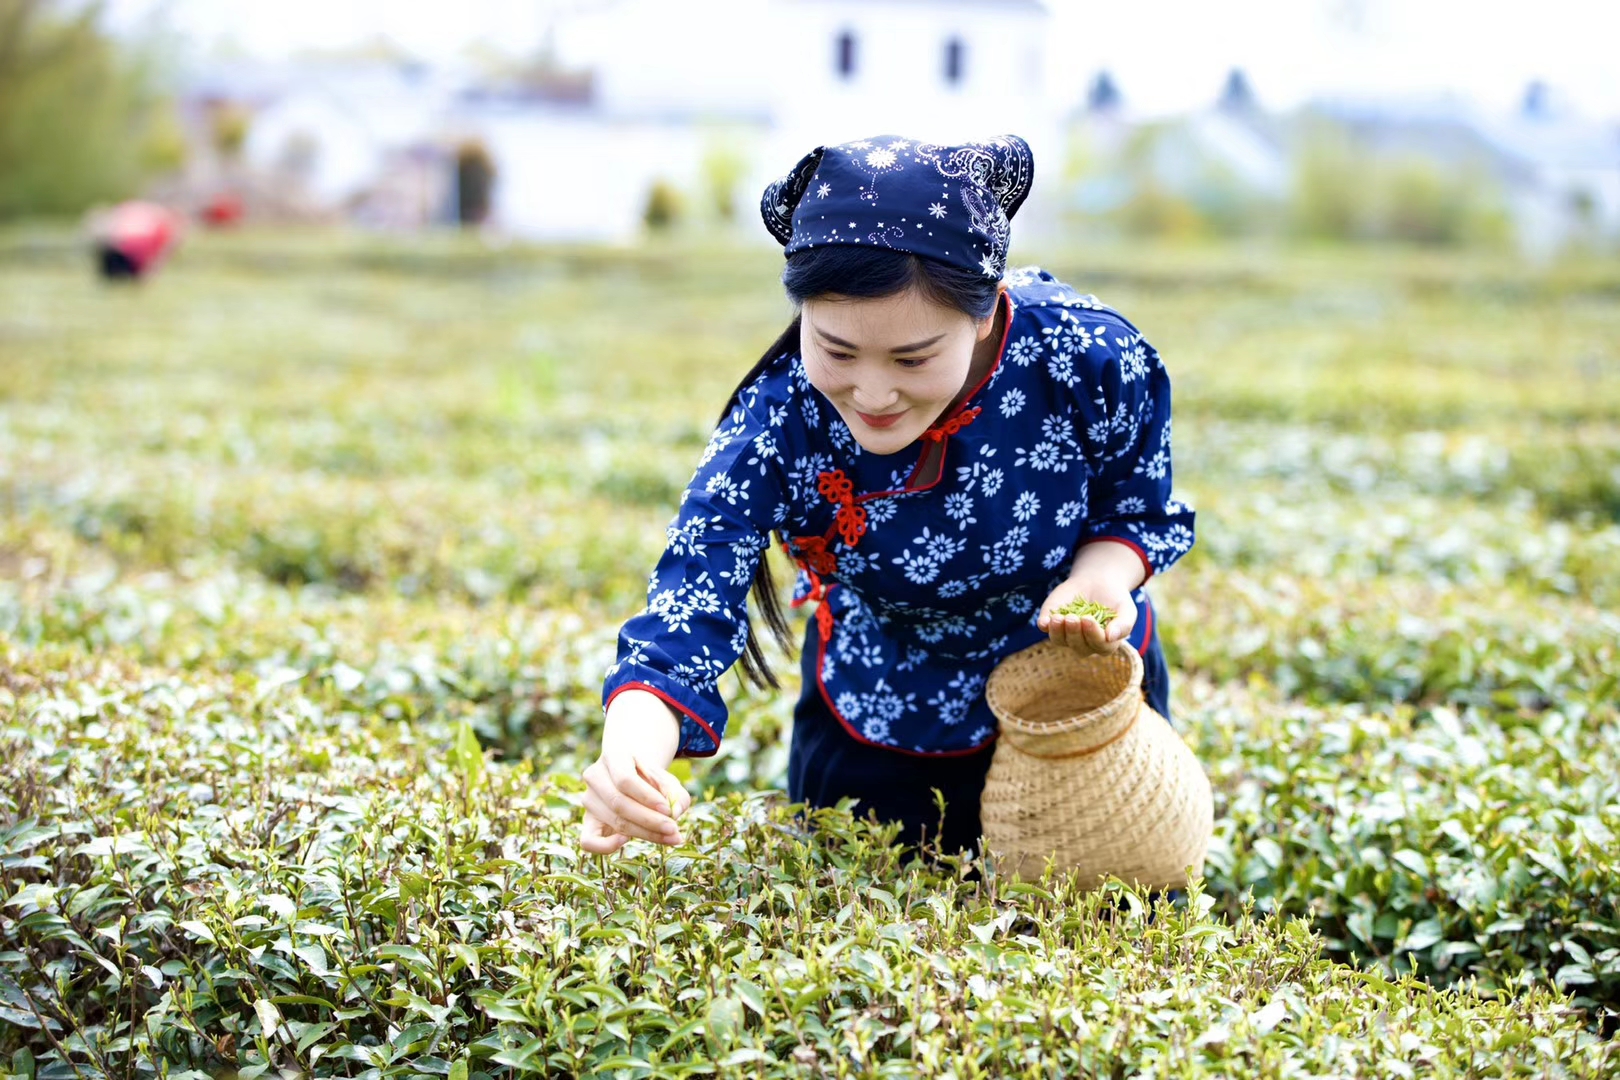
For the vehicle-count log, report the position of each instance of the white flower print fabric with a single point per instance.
(1069, 444)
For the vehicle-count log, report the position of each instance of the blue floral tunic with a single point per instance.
(921, 587)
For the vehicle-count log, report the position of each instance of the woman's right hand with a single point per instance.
(631, 792)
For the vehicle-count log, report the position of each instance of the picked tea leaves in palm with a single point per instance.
(1082, 607)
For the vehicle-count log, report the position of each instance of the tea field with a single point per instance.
(313, 552)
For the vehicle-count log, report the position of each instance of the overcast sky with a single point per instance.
(1165, 55)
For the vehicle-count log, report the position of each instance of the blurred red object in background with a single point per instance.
(133, 237)
(223, 210)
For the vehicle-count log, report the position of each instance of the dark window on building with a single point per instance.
(955, 54)
(845, 55)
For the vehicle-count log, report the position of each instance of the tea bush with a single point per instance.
(1448, 843)
(270, 884)
(308, 580)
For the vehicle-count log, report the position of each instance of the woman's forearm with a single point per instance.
(639, 721)
(1116, 561)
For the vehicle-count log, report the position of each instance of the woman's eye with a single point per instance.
(914, 361)
(840, 356)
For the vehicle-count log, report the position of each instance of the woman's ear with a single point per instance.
(982, 327)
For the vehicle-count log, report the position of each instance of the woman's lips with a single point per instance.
(880, 421)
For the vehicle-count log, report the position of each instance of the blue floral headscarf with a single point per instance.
(950, 203)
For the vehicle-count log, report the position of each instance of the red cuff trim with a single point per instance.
(1140, 554)
(672, 703)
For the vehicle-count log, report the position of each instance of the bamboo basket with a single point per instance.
(1086, 772)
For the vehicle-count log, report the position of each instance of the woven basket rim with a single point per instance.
(1076, 721)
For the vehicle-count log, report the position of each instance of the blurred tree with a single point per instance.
(663, 206)
(228, 125)
(475, 182)
(1328, 181)
(163, 148)
(1417, 202)
(1451, 206)
(1583, 207)
(75, 109)
(1154, 207)
(724, 167)
(1345, 190)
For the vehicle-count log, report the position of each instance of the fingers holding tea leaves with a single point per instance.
(1078, 624)
(1060, 627)
(669, 785)
(1082, 633)
(635, 780)
(1087, 625)
(619, 794)
(1096, 638)
(622, 814)
(599, 838)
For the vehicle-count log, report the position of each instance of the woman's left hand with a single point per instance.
(1083, 634)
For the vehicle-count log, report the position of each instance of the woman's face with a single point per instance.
(890, 365)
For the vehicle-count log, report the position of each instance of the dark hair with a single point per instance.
(860, 273)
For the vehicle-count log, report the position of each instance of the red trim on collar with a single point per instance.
(1006, 336)
(937, 433)
(951, 426)
(672, 703)
(849, 522)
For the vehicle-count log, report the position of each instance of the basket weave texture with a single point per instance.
(1086, 772)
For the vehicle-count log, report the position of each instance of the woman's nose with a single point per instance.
(873, 402)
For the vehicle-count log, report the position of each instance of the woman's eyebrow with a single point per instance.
(897, 349)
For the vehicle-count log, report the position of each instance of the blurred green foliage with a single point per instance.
(1162, 181)
(1346, 190)
(665, 206)
(724, 166)
(1208, 198)
(81, 117)
(228, 127)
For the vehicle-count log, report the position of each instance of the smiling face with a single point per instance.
(891, 365)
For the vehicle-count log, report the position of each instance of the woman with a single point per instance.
(948, 454)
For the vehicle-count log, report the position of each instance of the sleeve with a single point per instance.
(695, 624)
(1127, 452)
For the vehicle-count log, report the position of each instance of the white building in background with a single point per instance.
(945, 72)
(823, 70)
(1573, 170)
(631, 97)
(773, 79)
(336, 125)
